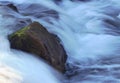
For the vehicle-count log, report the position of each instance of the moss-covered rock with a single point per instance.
(20, 32)
(37, 40)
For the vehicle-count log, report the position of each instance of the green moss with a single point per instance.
(20, 32)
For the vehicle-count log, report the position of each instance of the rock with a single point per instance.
(37, 40)
(9, 4)
(12, 7)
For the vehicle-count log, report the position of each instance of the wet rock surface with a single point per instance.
(37, 40)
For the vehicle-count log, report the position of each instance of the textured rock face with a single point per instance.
(37, 40)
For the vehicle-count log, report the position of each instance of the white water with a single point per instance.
(84, 30)
(19, 67)
(89, 32)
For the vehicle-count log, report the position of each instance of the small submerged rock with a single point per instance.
(9, 4)
(37, 11)
(37, 40)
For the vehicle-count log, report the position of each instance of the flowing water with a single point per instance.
(89, 31)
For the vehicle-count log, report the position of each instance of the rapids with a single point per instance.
(90, 33)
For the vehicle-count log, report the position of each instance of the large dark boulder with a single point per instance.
(37, 40)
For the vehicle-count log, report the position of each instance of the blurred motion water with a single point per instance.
(89, 31)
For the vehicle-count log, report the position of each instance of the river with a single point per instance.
(89, 31)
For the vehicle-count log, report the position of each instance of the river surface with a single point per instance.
(89, 31)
